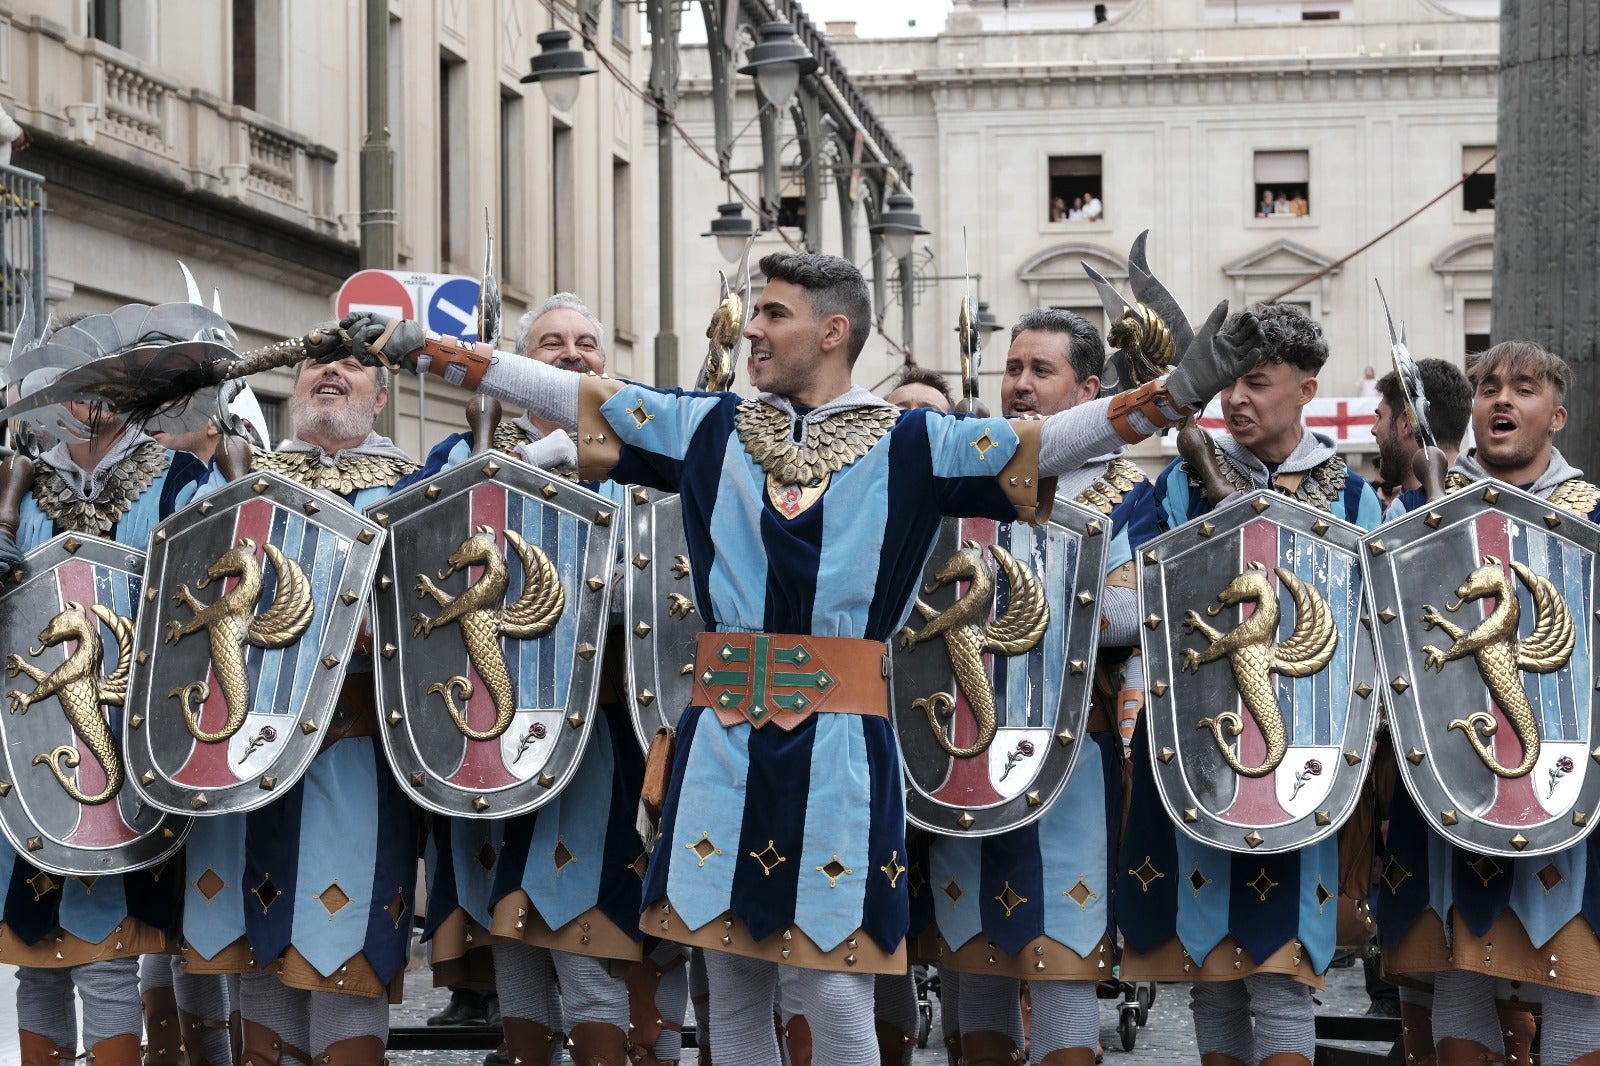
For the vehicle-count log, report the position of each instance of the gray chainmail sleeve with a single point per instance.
(543, 390)
(1070, 438)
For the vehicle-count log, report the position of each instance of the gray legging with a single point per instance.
(837, 1006)
(526, 978)
(991, 1004)
(311, 1021)
(1279, 1006)
(109, 990)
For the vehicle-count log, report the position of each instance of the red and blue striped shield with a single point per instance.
(1486, 629)
(991, 678)
(491, 614)
(1260, 676)
(67, 635)
(253, 598)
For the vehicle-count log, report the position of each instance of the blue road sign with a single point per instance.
(453, 309)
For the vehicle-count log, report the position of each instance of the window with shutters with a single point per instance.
(1476, 327)
(1283, 184)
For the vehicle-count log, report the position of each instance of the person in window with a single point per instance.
(1299, 206)
(1091, 208)
(1058, 210)
(1264, 208)
(1280, 206)
(1076, 214)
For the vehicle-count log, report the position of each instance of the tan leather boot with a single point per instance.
(597, 1044)
(41, 1050)
(1069, 1056)
(121, 1050)
(797, 1037)
(1517, 1028)
(163, 1028)
(1454, 1051)
(645, 1023)
(894, 1043)
(354, 1051)
(527, 1042)
(194, 1029)
(1416, 1034)
(262, 1046)
(988, 1048)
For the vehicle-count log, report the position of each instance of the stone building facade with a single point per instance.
(1179, 116)
(228, 134)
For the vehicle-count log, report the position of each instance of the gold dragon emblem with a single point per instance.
(80, 690)
(1500, 655)
(967, 635)
(230, 622)
(1255, 657)
(483, 618)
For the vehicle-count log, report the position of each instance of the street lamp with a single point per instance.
(732, 231)
(777, 63)
(557, 68)
(898, 224)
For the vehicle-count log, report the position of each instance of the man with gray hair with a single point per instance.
(535, 951)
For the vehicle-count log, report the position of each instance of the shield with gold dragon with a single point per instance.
(490, 623)
(991, 676)
(659, 612)
(1259, 673)
(253, 601)
(66, 636)
(1484, 611)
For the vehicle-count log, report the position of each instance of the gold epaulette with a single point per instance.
(350, 473)
(128, 481)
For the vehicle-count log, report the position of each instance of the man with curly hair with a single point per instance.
(1254, 958)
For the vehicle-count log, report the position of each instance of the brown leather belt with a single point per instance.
(785, 677)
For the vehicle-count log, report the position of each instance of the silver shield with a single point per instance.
(253, 598)
(1259, 673)
(490, 614)
(67, 635)
(659, 612)
(991, 678)
(1486, 628)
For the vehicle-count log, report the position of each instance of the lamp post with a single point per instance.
(777, 64)
(732, 231)
(557, 68)
(898, 226)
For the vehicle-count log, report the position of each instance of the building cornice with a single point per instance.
(117, 183)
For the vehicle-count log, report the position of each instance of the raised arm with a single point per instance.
(402, 344)
(1072, 437)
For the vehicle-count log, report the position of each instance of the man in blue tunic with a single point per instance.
(810, 513)
(1252, 955)
(1054, 363)
(552, 926)
(317, 981)
(1471, 921)
(116, 483)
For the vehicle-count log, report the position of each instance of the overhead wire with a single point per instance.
(627, 82)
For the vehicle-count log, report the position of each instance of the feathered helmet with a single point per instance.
(108, 354)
